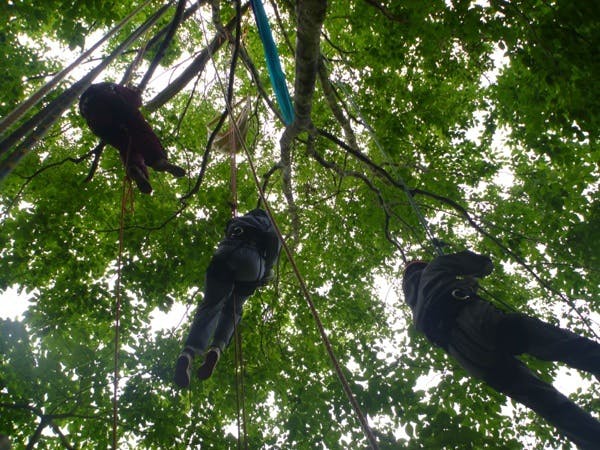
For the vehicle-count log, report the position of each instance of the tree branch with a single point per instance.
(194, 68)
(351, 173)
(177, 18)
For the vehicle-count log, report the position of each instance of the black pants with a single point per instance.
(231, 278)
(485, 340)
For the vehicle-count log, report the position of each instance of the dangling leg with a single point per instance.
(518, 382)
(218, 287)
(247, 267)
(135, 167)
(152, 150)
(478, 341)
(523, 334)
(228, 321)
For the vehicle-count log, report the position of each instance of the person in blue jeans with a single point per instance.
(242, 262)
(442, 295)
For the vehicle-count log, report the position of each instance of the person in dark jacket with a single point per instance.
(112, 113)
(485, 340)
(242, 262)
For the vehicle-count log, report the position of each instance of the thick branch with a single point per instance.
(177, 18)
(337, 111)
(194, 68)
(310, 17)
(18, 112)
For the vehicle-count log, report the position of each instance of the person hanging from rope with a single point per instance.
(112, 113)
(442, 295)
(242, 262)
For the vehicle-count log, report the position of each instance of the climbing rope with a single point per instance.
(127, 198)
(240, 390)
(436, 243)
(239, 361)
(308, 297)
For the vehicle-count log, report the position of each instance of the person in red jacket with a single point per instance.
(442, 295)
(112, 113)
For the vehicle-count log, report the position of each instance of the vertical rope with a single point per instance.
(307, 295)
(126, 207)
(239, 361)
(240, 390)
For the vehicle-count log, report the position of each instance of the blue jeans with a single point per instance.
(485, 340)
(232, 276)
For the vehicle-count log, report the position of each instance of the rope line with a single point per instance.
(307, 295)
(126, 198)
(422, 220)
(239, 382)
(239, 361)
(345, 385)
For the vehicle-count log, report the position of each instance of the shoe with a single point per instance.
(162, 165)
(140, 178)
(210, 362)
(183, 370)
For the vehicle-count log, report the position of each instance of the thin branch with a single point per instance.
(177, 18)
(386, 12)
(228, 95)
(29, 178)
(259, 86)
(350, 173)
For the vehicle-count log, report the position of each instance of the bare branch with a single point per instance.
(194, 68)
(177, 18)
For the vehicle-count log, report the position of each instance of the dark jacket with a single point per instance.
(256, 228)
(428, 290)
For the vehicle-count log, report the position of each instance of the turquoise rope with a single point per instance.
(273, 63)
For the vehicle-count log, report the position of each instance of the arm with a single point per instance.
(466, 263)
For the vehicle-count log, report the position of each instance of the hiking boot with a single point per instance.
(183, 369)
(210, 362)
(162, 165)
(140, 178)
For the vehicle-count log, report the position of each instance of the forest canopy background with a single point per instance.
(487, 113)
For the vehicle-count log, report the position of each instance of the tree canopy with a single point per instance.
(485, 113)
